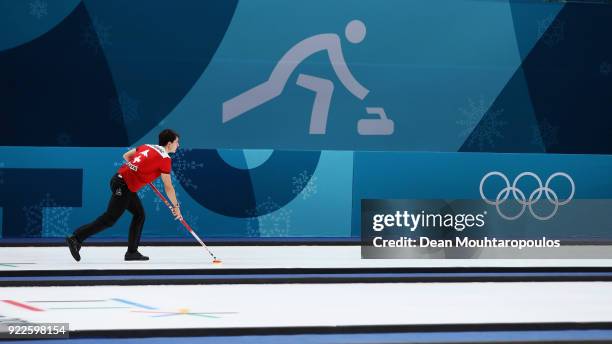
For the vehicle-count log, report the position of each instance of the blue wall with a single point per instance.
(471, 87)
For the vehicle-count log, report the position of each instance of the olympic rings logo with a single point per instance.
(520, 197)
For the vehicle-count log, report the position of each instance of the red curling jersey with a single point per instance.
(149, 162)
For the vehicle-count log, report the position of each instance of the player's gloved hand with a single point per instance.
(176, 212)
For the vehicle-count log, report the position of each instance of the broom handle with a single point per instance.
(163, 198)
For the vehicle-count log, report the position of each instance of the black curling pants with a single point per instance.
(121, 199)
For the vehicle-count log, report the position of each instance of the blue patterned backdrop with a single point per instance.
(466, 86)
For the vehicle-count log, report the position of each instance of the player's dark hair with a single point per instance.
(167, 135)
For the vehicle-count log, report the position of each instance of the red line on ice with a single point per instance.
(23, 305)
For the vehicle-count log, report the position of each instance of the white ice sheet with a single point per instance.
(222, 306)
(195, 257)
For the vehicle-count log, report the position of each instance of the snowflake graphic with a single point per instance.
(144, 193)
(180, 166)
(53, 217)
(63, 139)
(480, 126)
(605, 68)
(38, 9)
(192, 221)
(544, 134)
(96, 35)
(472, 115)
(124, 109)
(305, 184)
(276, 221)
(551, 30)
